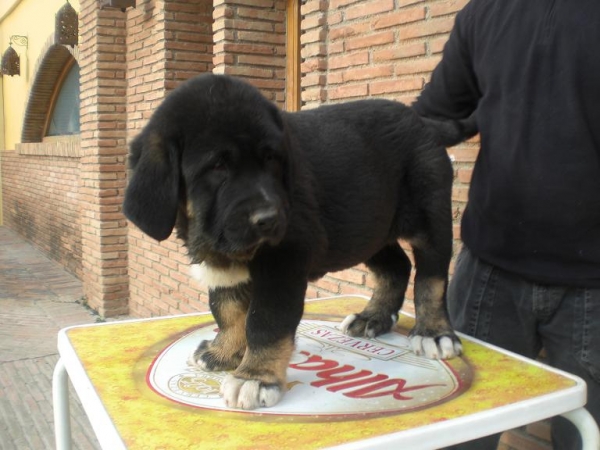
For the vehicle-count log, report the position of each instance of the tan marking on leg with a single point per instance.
(226, 351)
(383, 298)
(231, 339)
(269, 365)
(432, 335)
(429, 303)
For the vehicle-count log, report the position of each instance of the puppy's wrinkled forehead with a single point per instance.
(221, 104)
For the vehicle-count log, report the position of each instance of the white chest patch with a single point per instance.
(220, 277)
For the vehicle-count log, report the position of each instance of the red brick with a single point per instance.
(460, 193)
(464, 175)
(400, 17)
(436, 45)
(328, 284)
(446, 7)
(463, 153)
(349, 91)
(370, 41)
(368, 8)
(367, 73)
(402, 3)
(418, 66)
(344, 61)
(393, 86)
(429, 28)
(346, 31)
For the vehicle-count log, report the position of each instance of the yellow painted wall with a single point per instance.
(1, 146)
(34, 19)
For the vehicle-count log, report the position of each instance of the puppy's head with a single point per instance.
(214, 159)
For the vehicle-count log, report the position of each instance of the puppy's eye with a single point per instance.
(219, 166)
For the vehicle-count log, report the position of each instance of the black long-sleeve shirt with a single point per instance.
(530, 69)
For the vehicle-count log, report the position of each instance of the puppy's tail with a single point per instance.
(452, 132)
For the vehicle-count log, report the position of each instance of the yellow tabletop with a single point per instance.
(340, 390)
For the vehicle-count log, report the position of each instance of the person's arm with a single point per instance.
(452, 92)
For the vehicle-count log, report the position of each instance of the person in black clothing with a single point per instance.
(528, 276)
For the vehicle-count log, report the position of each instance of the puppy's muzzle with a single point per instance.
(266, 222)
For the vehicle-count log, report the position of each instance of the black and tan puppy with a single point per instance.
(266, 201)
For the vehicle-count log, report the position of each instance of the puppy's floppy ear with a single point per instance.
(151, 197)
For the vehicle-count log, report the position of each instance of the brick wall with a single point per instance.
(168, 42)
(45, 212)
(250, 38)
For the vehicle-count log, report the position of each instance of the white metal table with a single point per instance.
(343, 392)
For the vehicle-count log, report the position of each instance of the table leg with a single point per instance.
(62, 416)
(587, 426)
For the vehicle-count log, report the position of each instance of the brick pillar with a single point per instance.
(249, 42)
(166, 44)
(314, 51)
(188, 40)
(103, 154)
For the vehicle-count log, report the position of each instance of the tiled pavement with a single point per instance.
(37, 299)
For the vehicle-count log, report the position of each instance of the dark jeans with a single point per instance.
(505, 310)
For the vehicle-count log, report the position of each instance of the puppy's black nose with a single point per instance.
(265, 221)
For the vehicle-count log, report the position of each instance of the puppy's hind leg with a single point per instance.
(229, 306)
(391, 268)
(431, 189)
(432, 335)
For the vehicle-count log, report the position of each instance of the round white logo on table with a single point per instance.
(330, 374)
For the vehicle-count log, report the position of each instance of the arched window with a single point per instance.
(54, 96)
(64, 117)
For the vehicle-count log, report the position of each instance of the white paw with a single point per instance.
(248, 394)
(426, 346)
(368, 332)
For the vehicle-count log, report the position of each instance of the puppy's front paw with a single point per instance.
(210, 357)
(444, 346)
(368, 325)
(249, 394)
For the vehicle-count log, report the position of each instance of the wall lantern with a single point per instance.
(66, 31)
(11, 62)
(120, 4)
